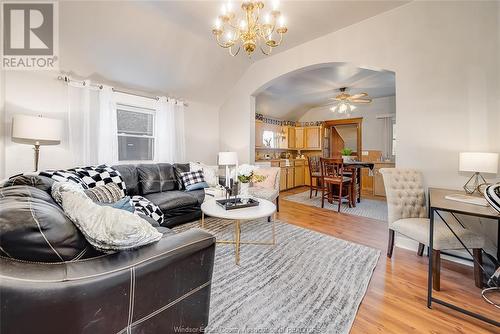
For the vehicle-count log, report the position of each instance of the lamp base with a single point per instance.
(37, 156)
(474, 182)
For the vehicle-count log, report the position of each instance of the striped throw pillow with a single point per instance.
(108, 193)
(492, 195)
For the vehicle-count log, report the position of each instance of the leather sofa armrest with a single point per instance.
(151, 289)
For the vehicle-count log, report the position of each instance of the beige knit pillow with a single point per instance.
(108, 193)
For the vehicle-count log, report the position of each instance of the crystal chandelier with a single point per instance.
(253, 29)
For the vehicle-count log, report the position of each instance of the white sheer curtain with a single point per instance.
(81, 113)
(92, 137)
(107, 133)
(169, 131)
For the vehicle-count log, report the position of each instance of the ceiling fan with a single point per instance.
(356, 98)
(346, 101)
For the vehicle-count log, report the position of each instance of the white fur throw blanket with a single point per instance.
(104, 227)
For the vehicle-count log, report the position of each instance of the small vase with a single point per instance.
(244, 189)
(346, 158)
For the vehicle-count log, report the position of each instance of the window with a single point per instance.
(268, 138)
(136, 135)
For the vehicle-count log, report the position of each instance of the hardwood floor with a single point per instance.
(396, 298)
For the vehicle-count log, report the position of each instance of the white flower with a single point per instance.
(246, 170)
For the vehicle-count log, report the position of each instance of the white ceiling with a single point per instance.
(167, 46)
(291, 95)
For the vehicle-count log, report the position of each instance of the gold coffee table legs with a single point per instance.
(237, 238)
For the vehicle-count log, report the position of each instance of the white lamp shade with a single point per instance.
(478, 162)
(33, 129)
(228, 158)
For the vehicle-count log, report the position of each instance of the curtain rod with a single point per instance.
(68, 79)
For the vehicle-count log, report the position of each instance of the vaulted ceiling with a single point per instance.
(290, 96)
(167, 47)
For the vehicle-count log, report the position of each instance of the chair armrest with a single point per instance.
(113, 292)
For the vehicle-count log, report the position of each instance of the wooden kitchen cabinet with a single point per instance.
(299, 137)
(290, 178)
(299, 173)
(259, 131)
(299, 176)
(291, 137)
(312, 137)
(283, 178)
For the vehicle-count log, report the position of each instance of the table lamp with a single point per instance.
(228, 159)
(36, 130)
(477, 162)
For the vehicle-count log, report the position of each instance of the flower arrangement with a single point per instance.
(246, 174)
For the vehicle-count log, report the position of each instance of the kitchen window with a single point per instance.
(136, 135)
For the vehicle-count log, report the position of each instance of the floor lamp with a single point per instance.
(36, 131)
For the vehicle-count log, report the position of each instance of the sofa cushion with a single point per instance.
(180, 168)
(155, 178)
(130, 177)
(199, 195)
(34, 228)
(39, 182)
(172, 199)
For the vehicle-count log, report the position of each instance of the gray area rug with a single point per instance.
(308, 283)
(369, 208)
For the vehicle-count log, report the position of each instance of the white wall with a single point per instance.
(34, 93)
(446, 81)
(446, 59)
(372, 129)
(202, 133)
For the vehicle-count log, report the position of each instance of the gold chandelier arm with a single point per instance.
(267, 53)
(224, 45)
(237, 51)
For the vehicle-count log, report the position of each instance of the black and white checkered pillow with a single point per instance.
(146, 207)
(189, 178)
(94, 176)
(61, 176)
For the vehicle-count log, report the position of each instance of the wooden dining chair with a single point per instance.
(332, 176)
(315, 175)
(352, 173)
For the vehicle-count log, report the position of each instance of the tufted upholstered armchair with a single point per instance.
(408, 215)
(271, 193)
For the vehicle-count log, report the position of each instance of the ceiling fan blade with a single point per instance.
(361, 101)
(357, 96)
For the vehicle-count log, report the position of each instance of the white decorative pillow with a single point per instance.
(104, 227)
(210, 173)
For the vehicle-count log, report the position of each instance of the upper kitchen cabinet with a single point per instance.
(259, 133)
(299, 138)
(312, 137)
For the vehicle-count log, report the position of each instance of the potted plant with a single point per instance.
(346, 154)
(245, 175)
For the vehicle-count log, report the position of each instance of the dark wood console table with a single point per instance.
(438, 203)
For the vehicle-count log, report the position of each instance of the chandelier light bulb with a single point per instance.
(276, 5)
(229, 36)
(217, 24)
(267, 18)
(282, 21)
(223, 10)
(243, 24)
(229, 7)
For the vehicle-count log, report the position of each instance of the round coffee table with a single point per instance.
(265, 209)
